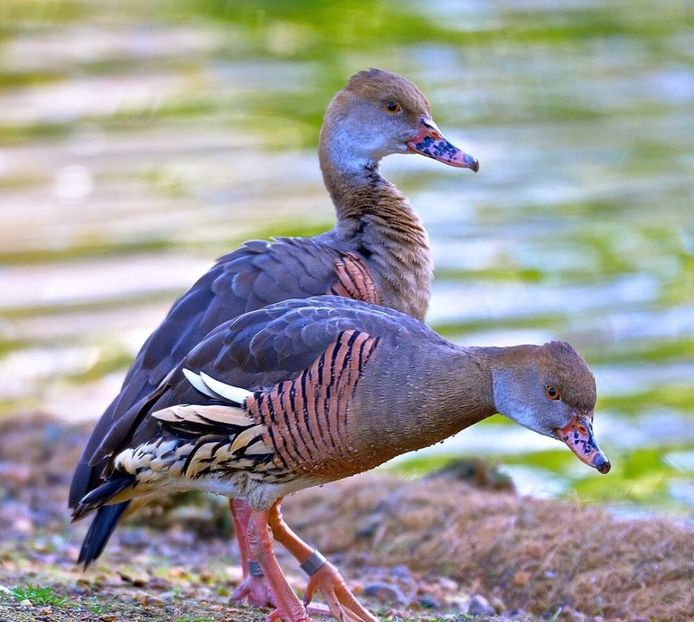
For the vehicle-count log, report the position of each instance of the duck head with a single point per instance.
(551, 390)
(379, 113)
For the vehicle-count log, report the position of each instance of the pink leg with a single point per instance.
(254, 587)
(289, 607)
(240, 513)
(323, 576)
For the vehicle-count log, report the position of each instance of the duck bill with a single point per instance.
(578, 436)
(430, 142)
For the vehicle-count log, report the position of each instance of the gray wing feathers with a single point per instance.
(257, 274)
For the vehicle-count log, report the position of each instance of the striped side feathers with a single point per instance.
(353, 280)
(308, 418)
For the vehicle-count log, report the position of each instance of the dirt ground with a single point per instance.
(438, 548)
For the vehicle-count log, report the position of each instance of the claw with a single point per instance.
(279, 615)
(341, 602)
(256, 591)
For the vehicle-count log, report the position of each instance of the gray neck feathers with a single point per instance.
(376, 220)
(438, 391)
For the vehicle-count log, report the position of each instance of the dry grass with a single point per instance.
(535, 555)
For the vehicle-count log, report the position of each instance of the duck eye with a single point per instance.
(552, 392)
(392, 106)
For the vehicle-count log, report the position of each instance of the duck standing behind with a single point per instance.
(377, 252)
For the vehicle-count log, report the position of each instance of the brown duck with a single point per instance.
(305, 392)
(377, 252)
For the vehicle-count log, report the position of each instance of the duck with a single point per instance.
(377, 252)
(306, 392)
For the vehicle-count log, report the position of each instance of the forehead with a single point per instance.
(566, 368)
(378, 85)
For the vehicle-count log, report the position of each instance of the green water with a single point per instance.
(140, 140)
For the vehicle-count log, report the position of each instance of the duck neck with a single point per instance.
(376, 220)
(459, 392)
(444, 390)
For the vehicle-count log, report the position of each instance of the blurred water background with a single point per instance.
(139, 141)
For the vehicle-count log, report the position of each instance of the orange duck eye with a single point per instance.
(392, 106)
(552, 392)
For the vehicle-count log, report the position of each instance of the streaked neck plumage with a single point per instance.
(376, 220)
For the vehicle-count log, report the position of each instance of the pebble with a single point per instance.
(147, 600)
(25, 603)
(168, 596)
(178, 572)
(521, 578)
(15, 474)
(572, 615)
(448, 584)
(177, 535)
(134, 577)
(497, 603)
(141, 597)
(23, 525)
(84, 582)
(200, 592)
(234, 573)
(458, 602)
(401, 572)
(357, 587)
(533, 550)
(428, 602)
(159, 583)
(479, 606)
(134, 537)
(386, 593)
(154, 601)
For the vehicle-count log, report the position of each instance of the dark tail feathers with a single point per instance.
(100, 531)
(106, 518)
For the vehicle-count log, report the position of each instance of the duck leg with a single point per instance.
(254, 587)
(323, 576)
(289, 607)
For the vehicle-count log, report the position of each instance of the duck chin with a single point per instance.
(527, 417)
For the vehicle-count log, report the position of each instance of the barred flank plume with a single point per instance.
(353, 280)
(306, 418)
